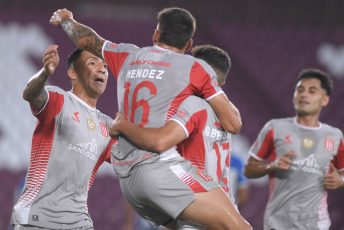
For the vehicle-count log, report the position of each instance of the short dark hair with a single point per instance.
(73, 57)
(215, 57)
(177, 26)
(324, 78)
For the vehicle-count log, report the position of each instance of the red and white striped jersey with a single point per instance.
(70, 142)
(297, 198)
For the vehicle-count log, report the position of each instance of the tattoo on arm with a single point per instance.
(34, 91)
(83, 37)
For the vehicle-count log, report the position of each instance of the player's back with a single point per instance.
(151, 84)
(208, 146)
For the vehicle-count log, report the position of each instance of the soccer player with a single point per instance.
(70, 142)
(301, 155)
(204, 142)
(151, 83)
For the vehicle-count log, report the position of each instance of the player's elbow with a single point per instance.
(231, 127)
(160, 145)
(248, 173)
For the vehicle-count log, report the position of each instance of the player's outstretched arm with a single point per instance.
(227, 113)
(34, 91)
(82, 36)
(255, 168)
(151, 139)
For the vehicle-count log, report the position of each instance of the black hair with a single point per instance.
(324, 78)
(73, 57)
(177, 26)
(215, 57)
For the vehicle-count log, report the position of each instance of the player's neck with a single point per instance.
(308, 120)
(91, 101)
(174, 49)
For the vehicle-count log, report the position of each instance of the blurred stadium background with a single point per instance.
(269, 43)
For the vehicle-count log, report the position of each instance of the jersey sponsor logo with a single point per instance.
(113, 45)
(329, 144)
(308, 165)
(104, 129)
(181, 114)
(76, 117)
(214, 82)
(88, 149)
(145, 73)
(91, 124)
(155, 51)
(132, 162)
(307, 142)
(35, 217)
(151, 62)
(218, 125)
(204, 175)
(287, 140)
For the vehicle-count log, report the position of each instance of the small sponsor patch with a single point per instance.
(91, 124)
(181, 114)
(35, 217)
(113, 45)
(76, 117)
(308, 142)
(287, 140)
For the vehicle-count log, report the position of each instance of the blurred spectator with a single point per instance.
(238, 181)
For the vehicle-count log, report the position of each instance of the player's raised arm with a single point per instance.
(82, 36)
(34, 91)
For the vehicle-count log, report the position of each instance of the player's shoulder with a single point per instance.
(104, 118)
(193, 101)
(108, 45)
(332, 129)
(55, 89)
(280, 121)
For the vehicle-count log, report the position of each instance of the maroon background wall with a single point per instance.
(269, 43)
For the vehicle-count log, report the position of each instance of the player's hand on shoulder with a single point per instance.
(116, 125)
(51, 59)
(59, 16)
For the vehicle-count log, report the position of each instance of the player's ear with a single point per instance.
(189, 45)
(325, 100)
(156, 37)
(72, 74)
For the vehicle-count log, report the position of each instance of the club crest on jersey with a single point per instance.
(307, 142)
(104, 129)
(329, 144)
(91, 124)
(204, 175)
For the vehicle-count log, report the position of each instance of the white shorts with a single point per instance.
(161, 190)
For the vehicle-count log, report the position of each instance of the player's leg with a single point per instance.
(214, 210)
